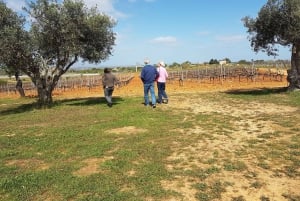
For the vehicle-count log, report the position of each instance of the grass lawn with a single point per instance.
(238, 145)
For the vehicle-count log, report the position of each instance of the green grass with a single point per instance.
(42, 150)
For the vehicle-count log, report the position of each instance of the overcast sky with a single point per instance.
(177, 30)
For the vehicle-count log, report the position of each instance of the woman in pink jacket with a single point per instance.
(161, 83)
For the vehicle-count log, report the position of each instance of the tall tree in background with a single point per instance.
(278, 22)
(59, 34)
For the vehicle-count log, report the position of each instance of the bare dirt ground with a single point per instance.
(173, 86)
(135, 87)
(270, 184)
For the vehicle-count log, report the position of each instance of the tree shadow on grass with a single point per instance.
(87, 101)
(258, 91)
(26, 107)
(90, 101)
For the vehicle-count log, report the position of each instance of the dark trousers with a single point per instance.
(161, 86)
(108, 94)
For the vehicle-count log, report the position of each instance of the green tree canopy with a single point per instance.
(13, 40)
(213, 61)
(278, 23)
(59, 34)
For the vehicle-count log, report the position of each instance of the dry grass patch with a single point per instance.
(28, 164)
(182, 185)
(127, 130)
(91, 166)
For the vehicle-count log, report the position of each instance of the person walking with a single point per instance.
(148, 76)
(109, 80)
(19, 87)
(161, 83)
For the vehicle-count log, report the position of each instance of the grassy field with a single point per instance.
(235, 145)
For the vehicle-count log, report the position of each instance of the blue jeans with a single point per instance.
(108, 94)
(147, 88)
(161, 86)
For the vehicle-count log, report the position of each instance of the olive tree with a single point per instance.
(12, 41)
(278, 23)
(59, 35)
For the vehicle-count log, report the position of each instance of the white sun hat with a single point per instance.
(146, 61)
(162, 63)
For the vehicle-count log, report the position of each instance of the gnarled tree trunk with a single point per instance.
(20, 89)
(294, 73)
(45, 80)
(19, 85)
(45, 86)
(44, 90)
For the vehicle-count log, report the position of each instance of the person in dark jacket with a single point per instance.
(109, 80)
(148, 76)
